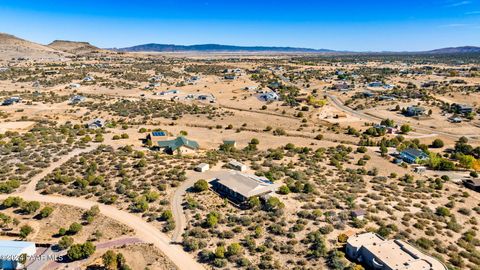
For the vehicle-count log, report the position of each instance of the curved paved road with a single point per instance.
(144, 231)
(339, 104)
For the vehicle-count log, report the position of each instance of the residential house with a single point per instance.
(12, 251)
(420, 169)
(375, 84)
(230, 77)
(11, 101)
(358, 214)
(240, 187)
(88, 79)
(251, 88)
(74, 85)
(412, 155)
(193, 80)
(387, 98)
(76, 99)
(388, 86)
(367, 94)
(455, 120)
(269, 96)
(179, 145)
(414, 111)
(274, 85)
(341, 87)
(374, 252)
(461, 108)
(230, 142)
(473, 184)
(97, 123)
(50, 72)
(169, 92)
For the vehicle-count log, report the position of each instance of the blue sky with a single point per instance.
(361, 25)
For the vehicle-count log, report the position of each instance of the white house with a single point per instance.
(88, 79)
(270, 96)
(375, 252)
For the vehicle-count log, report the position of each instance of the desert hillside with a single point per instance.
(74, 47)
(14, 47)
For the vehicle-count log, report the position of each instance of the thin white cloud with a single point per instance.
(459, 3)
(472, 12)
(455, 25)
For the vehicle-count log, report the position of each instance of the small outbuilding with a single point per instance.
(233, 164)
(358, 214)
(420, 169)
(202, 167)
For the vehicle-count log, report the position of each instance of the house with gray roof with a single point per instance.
(239, 187)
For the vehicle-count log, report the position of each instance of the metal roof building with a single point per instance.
(239, 187)
(171, 146)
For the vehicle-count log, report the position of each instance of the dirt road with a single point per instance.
(144, 231)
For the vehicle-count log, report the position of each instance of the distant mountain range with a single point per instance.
(154, 47)
(14, 47)
(464, 49)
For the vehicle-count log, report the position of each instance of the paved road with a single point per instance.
(144, 231)
(339, 104)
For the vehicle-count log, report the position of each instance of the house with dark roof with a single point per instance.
(414, 111)
(473, 184)
(179, 145)
(462, 108)
(97, 123)
(412, 155)
(76, 99)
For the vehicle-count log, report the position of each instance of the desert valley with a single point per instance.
(231, 159)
